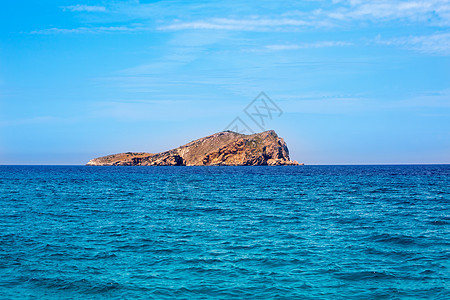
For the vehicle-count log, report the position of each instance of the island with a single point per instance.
(226, 148)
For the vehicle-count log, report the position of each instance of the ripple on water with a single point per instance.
(312, 232)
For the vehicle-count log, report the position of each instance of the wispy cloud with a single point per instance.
(437, 44)
(292, 17)
(339, 104)
(252, 24)
(434, 44)
(84, 8)
(320, 16)
(320, 44)
(431, 11)
(100, 29)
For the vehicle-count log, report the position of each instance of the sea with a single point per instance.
(288, 232)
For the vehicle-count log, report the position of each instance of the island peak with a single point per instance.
(225, 148)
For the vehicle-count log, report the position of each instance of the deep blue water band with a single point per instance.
(312, 232)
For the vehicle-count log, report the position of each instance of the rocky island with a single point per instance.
(225, 148)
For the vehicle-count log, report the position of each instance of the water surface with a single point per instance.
(312, 232)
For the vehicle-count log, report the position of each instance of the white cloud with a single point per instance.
(432, 12)
(339, 104)
(338, 13)
(86, 8)
(437, 44)
(320, 44)
(252, 24)
(101, 29)
(436, 12)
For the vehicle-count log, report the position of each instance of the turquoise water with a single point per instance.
(312, 232)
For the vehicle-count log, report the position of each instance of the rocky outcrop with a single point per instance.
(221, 149)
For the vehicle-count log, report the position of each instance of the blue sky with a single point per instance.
(358, 82)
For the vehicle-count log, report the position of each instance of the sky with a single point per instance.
(344, 81)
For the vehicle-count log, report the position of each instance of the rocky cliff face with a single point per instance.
(221, 149)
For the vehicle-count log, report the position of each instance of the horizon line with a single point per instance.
(350, 164)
